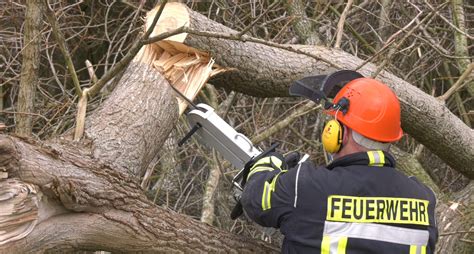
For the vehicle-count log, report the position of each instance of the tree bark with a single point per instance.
(132, 125)
(106, 209)
(460, 40)
(262, 70)
(303, 26)
(456, 224)
(29, 68)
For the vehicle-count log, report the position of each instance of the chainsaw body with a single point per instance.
(216, 133)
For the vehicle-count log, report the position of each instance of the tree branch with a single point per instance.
(340, 24)
(58, 35)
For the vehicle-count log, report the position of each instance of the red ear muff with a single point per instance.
(332, 136)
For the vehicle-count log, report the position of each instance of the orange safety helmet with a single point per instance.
(373, 110)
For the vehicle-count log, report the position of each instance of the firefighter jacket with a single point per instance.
(357, 204)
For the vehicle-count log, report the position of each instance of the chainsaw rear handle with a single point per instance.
(238, 209)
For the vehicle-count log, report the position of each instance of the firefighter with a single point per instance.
(359, 203)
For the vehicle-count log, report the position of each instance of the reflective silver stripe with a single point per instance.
(376, 157)
(305, 157)
(333, 242)
(378, 232)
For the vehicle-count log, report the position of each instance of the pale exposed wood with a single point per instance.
(18, 210)
(186, 68)
(81, 115)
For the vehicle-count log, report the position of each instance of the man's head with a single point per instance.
(367, 117)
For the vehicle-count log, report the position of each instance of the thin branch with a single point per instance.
(243, 38)
(132, 52)
(246, 29)
(340, 24)
(355, 33)
(447, 21)
(456, 232)
(81, 116)
(458, 84)
(59, 37)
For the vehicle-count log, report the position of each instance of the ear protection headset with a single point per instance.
(333, 131)
(322, 87)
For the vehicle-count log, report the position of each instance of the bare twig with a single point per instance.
(246, 29)
(340, 24)
(458, 84)
(58, 35)
(456, 232)
(243, 38)
(132, 52)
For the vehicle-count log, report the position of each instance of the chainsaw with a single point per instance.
(212, 131)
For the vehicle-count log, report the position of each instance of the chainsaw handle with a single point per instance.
(242, 136)
(238, 210)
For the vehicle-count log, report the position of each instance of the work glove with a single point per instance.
(273, 161)
(276, 161)
(292, 159)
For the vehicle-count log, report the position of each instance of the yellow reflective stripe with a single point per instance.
(412, 249)
(268, 160)
(376, 158)
(341, 246)
(265, 160)
(273, 184)
(325, 245)
(265, 200)
(382, 157)
(259, 169)
(423, 249)
(268, 190)
(371, 157)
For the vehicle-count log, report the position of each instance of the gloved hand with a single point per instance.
(292, 159)
(273, 161)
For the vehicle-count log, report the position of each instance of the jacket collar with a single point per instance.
(370, 158)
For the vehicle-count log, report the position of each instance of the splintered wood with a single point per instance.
(185, 68)
(18, 210)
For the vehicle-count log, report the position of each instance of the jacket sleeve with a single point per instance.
(268, 196)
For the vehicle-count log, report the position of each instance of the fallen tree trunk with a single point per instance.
(106, 209)
(262, 70)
